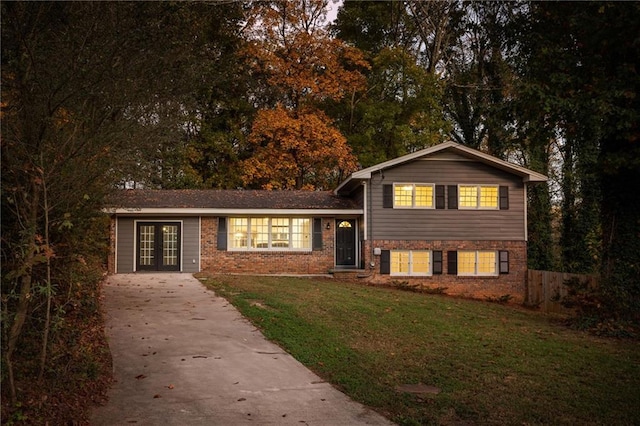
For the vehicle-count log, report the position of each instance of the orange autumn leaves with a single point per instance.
(295, 144)
(302, 151)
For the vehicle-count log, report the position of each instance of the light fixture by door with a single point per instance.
(328, 225)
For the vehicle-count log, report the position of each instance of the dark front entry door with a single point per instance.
(158, 246)
(345, 242)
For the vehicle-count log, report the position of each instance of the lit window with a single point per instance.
(238, 232)
(280, 232)
(478, 196)
(477, 263)
(412, 262)
(300, 233)
(399, 262)
(264, 233)
(411, 195)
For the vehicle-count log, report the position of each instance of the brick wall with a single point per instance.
(265, 262)
(512, 283)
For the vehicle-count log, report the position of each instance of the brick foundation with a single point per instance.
(271, 262)
(512, 284)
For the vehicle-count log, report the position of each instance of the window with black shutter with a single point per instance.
(437, 262)
(440, 197)
(452, 262)
(504, 197)
(503, 262)
(222, 233)
(452, 198)
(385, 262)
(387, 196)
(317, 233)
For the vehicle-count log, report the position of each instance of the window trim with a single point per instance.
(410, 272)
(269, 234)
(478, 196)
(496, 264)
(413, 195)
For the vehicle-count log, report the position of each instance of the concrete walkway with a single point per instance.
(183, 356)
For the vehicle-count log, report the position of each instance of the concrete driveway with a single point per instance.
(183, 356)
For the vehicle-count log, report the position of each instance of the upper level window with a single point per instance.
(277, 233)
(412, 195)
(478, 196)
(477, 263)
(410, 262)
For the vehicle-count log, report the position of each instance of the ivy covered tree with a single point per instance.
(582, 70)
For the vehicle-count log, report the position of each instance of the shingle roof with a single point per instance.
(229, 199)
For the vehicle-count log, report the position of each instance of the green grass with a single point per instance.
(494, 364)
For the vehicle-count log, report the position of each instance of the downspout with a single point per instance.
(366, 198)
(526, 233)
(364, 184)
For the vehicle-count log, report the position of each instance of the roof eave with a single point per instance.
(190, 211)
(526, 174)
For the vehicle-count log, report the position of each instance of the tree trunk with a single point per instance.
(26, 279)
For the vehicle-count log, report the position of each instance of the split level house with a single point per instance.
(447, 217)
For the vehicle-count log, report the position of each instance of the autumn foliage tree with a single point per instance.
(294, 142)
(297, 151)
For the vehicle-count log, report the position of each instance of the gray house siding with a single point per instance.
(190, 244)
(446, 224)
(124, 245)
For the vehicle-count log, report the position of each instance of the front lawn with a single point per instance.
(492, 364)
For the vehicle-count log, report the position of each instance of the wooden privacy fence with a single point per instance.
(547, 289)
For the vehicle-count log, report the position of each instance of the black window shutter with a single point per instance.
(453, 196)
(385, 262)
(504, 198)
(222, 233)
(437, 262)
(317, 233)
(452, 262)
(439, 196)
(387, 196)
(503, 262)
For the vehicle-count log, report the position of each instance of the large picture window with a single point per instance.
(478, 196)
(410, 262)
(412, 195)
(269, 233)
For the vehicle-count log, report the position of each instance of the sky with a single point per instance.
(333, 10)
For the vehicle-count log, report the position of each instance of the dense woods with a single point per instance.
(106, 95)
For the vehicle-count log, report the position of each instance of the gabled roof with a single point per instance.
(192, 201)
(526, 174)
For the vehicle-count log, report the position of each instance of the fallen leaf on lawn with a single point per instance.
(140, 376)
(170, 386)
(156, 396)
(242, 399)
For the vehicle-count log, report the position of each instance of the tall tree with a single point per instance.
(83, 88)
(480, 79)
(302, 67)
(401, 110)
(216, 142)
(583, 65)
